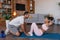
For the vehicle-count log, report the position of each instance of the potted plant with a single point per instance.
(7, 17)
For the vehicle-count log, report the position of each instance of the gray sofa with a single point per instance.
(37, 18)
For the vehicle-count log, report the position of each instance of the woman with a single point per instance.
(39, 31)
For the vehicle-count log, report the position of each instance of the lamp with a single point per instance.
(14, 14)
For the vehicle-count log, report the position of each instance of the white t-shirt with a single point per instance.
(17, 21)
(44, 27)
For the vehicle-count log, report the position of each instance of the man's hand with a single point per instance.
(21, 30)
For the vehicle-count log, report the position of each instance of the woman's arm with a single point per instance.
(42, 29)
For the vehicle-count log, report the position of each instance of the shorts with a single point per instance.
(14, 29)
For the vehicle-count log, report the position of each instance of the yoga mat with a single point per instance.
(45, 35)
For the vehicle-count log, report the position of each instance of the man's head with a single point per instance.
(26, 14)
(49, 20)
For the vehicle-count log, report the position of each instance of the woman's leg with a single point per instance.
(35, 29)
(31, 30)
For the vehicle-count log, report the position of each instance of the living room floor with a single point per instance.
(53, 29)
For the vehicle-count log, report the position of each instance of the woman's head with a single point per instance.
(49, 20)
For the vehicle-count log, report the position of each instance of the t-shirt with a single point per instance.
(17, 21)
(44, 27)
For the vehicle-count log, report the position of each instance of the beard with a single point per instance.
(26, 18)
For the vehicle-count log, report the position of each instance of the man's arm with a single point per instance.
(23, 28)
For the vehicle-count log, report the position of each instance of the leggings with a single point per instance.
(35, 29)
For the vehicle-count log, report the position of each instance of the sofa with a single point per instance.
(37, 18)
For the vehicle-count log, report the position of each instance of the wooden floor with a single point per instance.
(52, 29)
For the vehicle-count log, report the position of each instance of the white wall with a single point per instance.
(48, 6)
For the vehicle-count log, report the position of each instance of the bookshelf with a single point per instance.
(31, 6)
(9, 6)
(5, 6)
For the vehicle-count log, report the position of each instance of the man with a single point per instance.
(16, 23)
